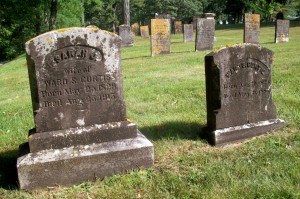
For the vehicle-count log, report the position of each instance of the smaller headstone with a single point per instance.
(239, 93)
(178, 27)
(160, 36)
(126, 35)
(252, 28)
(188, 33)
(144, 32)
(282, 31)
(205, 34)
(135, 29)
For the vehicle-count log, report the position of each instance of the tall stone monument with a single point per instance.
(282, 31)
(205, 34)
(81, 129)
(178, 27)
(144, 32)
(239, 93)
(160, 36)
(125, 30)
(188, 33)
(252, 28)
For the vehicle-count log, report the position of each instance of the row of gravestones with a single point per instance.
(81, 129)
(205, 28)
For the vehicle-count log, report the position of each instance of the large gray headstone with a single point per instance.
(205, 34)
(239, 93)
(78, 104)
(127, 35)
(252, 28)
(282, 31)
(188, 35)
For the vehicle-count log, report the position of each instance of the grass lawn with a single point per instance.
(165, 96)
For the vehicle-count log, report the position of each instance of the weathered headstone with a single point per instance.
(205, 34)
(81, 130)
(252, 28)
(188, 33)
(160, 36)
(178, 27)
(282, 31)
(126, 35)
(144, 32)
(135, 29)
(239, 93)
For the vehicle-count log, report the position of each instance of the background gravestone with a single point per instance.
(126, 35)
(282, 31)
(160, 36)
(239, 93)
(81, 130)
(252, 28)
(205, 34)
(144, 32)
(188, 33)
(135, 29)
(178, 27)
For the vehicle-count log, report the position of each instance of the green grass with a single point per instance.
(165, 96)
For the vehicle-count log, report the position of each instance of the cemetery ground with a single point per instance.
(165, 97)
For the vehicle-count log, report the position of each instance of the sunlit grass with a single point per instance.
(165, 96)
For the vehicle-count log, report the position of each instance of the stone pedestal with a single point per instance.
(234, 134)
(72, 165)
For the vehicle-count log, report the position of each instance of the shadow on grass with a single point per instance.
(173, 130)
(136, 57)
(8, 170)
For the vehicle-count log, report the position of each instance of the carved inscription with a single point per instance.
(251, 80)
(79, 81)
(74, 53)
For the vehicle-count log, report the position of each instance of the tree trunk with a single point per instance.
(53, 13)
(82, 17)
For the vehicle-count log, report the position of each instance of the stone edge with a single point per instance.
(235, 134)
(49, 159)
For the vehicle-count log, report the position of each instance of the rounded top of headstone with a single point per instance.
(241, 46)
(91, 36)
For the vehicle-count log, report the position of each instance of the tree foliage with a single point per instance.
(22, 20)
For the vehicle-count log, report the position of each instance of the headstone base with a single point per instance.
(96, 133)
(73, 165)
(234, 134)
